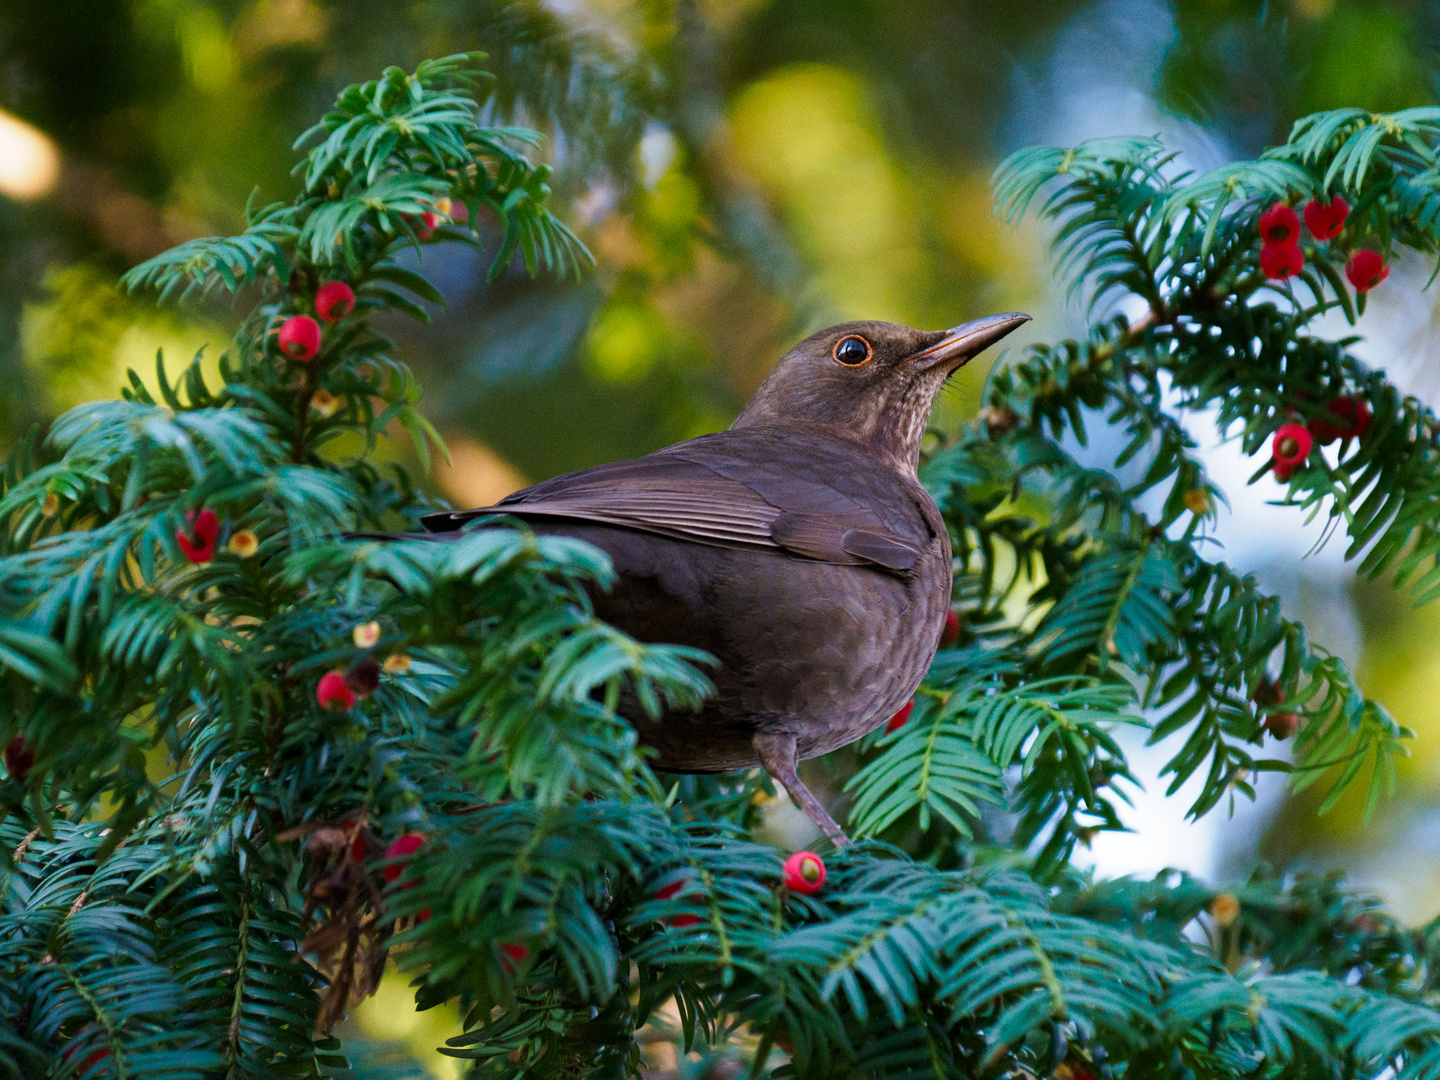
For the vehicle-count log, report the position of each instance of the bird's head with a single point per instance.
(871, 382)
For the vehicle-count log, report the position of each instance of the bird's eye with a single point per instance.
(852, 351)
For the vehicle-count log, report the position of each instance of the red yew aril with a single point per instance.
(670, 891)
(299, 338)
(1289, 449)
(804, 872)
(1279, 225)
(334, 300)
(898, 720)
(1326, 220)
(1351, 418)
(1366, 269)
(951, 633)
(197, 539)
(397, 855)
(397, 861)
(334, 694)
(1281, 261)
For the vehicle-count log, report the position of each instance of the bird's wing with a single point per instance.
(733, 490)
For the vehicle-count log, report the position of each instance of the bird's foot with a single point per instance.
(780, 758)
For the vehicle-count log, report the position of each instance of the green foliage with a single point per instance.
(198, 874)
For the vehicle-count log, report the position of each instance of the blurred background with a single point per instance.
(745, 171)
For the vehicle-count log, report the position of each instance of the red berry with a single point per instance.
(951, 632)
(19, 756)
(1267, 693)
(197, 539)
(1282, 725)
(357, 848)
(300, 337)
(424, 224)
(398, 853)
(898, 720)
(1352, 418)
(1289, 449)
(1279, 225)
(1366, 269)
(515, 952)
(1281, 261)
(804, 872)
(364, 676)
(333, 694)
(672, 890)
(334, 300)
(1326, 220)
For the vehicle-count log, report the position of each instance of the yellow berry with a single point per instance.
(1226, 909)
(244, 543)
(324, 402)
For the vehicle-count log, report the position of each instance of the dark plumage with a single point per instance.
(798, 548)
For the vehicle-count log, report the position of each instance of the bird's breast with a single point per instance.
(823, 651)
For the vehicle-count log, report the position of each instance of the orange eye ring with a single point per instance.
(844, 346)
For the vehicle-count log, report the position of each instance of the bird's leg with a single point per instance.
(779, 756)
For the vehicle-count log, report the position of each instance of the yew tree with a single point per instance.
(252, 757)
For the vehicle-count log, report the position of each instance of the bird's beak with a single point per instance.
(966, 340)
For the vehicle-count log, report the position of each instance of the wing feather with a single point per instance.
(733, 490)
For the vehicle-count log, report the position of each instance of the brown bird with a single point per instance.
(798, 548)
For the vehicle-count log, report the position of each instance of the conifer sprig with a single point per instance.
(248, 759)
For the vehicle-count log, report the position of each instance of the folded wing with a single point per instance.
(734, 489)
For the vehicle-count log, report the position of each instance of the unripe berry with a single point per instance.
(1225, 909)
(300, 338)
(365, 635)
(333, 693)
(804, 872)
(324, 403)
(334, 300)
(244, 543)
